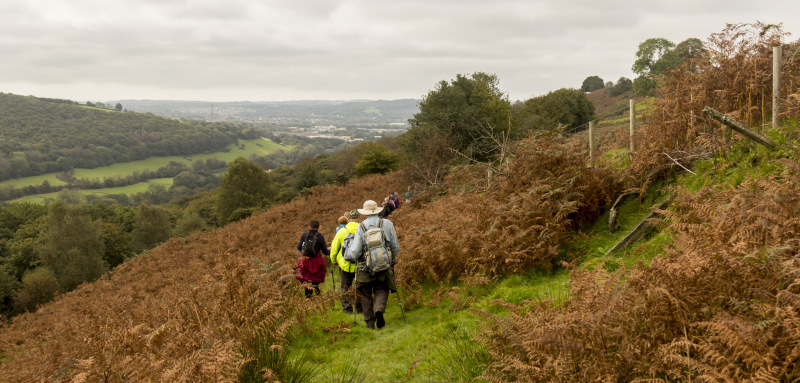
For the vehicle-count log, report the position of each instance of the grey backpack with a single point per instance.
(347, 254)
(377, 256)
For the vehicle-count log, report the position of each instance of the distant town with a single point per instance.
(352, 121)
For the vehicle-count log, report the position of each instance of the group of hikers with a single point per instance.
(365, 253)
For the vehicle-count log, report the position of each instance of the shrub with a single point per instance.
(39, 286)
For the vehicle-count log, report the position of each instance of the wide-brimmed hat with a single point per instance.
(370, 208)
(352, 214)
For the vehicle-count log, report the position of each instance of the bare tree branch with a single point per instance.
(678, 163)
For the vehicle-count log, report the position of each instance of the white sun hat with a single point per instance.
(370, 208)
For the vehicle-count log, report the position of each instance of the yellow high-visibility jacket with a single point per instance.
(337, 252)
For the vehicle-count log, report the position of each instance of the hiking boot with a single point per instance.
(379, 319)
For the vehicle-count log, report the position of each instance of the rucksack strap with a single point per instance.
(380, 226)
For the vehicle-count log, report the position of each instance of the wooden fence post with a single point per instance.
(591, 143)
(633, 123)
(777, 57)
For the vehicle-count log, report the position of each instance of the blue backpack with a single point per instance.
(346, 253)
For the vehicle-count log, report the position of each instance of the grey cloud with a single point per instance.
(349, 48)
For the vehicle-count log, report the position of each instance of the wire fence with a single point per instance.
(607, 115)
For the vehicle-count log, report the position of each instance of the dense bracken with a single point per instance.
(734, 77)
(517, 223)
(720, 304)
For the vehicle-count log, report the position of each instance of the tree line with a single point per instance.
(656, 56)
(50, 249)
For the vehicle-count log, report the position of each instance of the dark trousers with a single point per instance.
(313, 290)
(373, 298)
(347, 281)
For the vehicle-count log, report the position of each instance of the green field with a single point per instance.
(34, 181)
(372, 111)
(259, 147)
(127, 190)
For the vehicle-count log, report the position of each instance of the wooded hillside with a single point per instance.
(39, 136)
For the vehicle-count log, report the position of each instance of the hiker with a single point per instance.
(393, 198)
(409, 194)
(388, 207)
(342, 221)
(347, 273)
(311, 266)
(373, 288)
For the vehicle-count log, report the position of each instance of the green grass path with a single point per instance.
(436, 344)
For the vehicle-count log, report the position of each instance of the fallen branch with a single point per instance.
(678, 163)
(641, 230)
(613, 225)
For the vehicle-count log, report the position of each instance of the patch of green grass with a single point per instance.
(34, 181)
(259, 147)
(131, 189)
(372, 110)
(617, 159)
(436, 341)
(245, 148)
(127, 190)
(746, 160)
(387, 354)
(535, 286)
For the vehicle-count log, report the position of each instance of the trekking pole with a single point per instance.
(333, 278)
(400, 302)
(355, 296)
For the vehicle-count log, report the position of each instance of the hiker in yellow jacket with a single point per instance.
(347, 268)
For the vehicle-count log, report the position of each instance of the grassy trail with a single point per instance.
(437, 341)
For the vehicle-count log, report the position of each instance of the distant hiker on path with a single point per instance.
(385, 209)
(311, 266)
(341, 244)
(375, 247)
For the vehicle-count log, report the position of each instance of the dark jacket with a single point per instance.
(318, 247)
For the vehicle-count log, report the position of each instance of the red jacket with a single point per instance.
(311, 269)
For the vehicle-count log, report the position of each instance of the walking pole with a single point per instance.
(333, 278)
(333, 283)
(355, 296)
(400, 302)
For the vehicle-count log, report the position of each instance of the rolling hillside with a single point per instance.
(39, 136)
(199, 300)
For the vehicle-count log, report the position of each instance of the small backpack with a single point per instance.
(310, 244)
(377, 257)
(346, 253)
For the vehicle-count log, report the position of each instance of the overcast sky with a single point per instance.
(272, 50)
